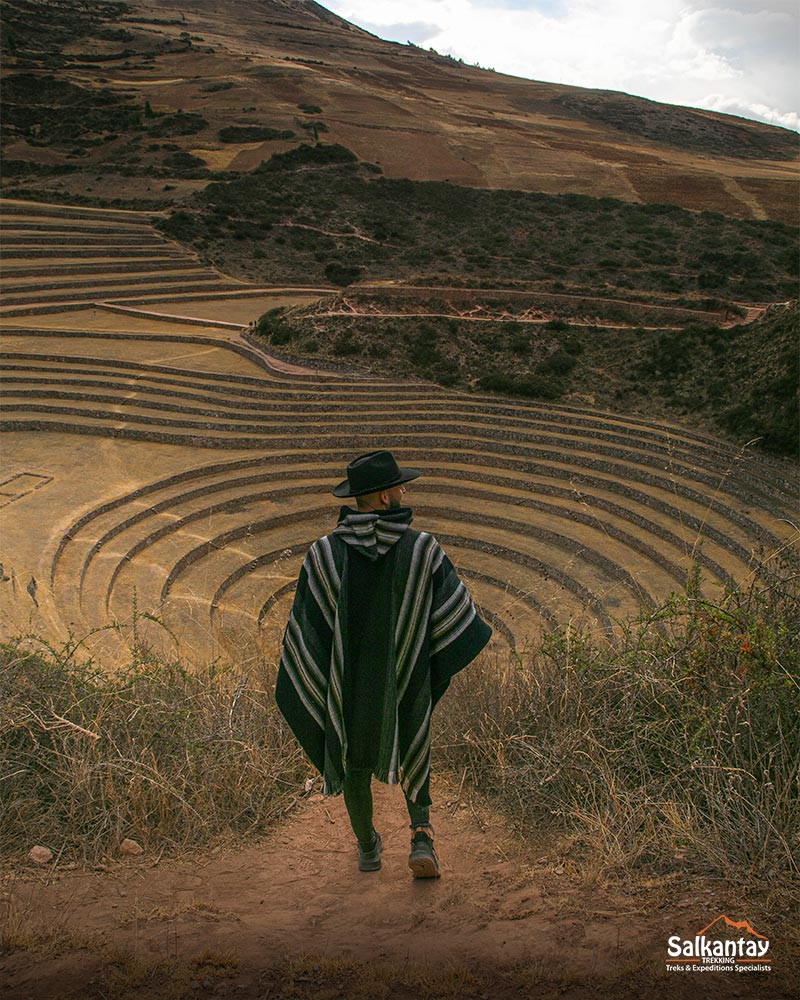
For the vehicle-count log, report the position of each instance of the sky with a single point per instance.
(736, 56)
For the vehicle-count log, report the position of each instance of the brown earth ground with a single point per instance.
(291, 916)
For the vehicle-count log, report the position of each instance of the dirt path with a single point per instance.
(293, 917)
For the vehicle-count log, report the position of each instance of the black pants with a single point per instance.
(358, 800)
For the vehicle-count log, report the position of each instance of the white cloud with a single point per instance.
(410, 31)
(760, 112)
(719, 54)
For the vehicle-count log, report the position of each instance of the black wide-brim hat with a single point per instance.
(371, 473)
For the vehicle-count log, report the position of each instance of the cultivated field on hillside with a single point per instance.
(143, 102)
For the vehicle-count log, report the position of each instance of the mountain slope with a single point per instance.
(241, 76)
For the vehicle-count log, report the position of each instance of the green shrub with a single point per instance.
(253, 133)
(342, 274)
(182, 225)
(180, 123)
(519, 342)
(345, 343)
(217, 85)
(573, 345)
(273, 325)
(314, 128)
(770, 413)
(711, 279)
(446, 372)
(280, 335)
(183, 160)
(532, 386)
(560, 363)
(304, 156)
(423, 349)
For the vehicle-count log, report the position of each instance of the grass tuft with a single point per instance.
(155, 753)
(678, 750)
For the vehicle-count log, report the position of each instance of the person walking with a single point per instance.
(379, 625)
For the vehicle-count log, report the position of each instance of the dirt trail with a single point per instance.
(502, 921)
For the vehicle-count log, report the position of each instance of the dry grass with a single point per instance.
(154, 753)
(312, 975)
(675, 752)
(21, 928)
(127, 977)
(678, 751)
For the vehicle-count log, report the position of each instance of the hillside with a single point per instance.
(312, 206)
(740, 382)
(554, 297)
(156, 98)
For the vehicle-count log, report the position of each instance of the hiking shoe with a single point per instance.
(369, 858)
(422, 860)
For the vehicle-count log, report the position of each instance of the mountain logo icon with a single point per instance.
(737, 925)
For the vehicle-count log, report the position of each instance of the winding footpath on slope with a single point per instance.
(154, 456)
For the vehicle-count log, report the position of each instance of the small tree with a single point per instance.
(342, 274)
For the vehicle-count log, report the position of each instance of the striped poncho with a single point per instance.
(379, 625)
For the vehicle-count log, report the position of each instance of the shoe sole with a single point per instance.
(424, 868)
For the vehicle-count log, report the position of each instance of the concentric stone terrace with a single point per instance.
(58, 258)
(185, 474)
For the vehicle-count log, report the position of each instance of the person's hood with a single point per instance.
(372, 534)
